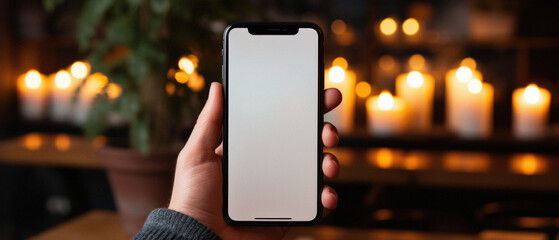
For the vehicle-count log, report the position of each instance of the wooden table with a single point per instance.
(58, 150)
(98, 224)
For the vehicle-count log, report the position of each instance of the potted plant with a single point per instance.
(138, 44)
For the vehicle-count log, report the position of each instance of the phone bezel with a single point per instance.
(265, 28)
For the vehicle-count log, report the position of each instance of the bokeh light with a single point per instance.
(532, 93)
(475, 86)
(340, 61)
(385, 100)
(79, 69)
(464, 74)
(410, 26)
(469, 62)
(386, 63)
(114, 90)
(416, 62)
(388, 26)
(62, 79)
(62, 142)
(32, 141)
(336, 74)
(415, 79)
(363, 89)
(338, 27)
(186, 65)
(33, 79)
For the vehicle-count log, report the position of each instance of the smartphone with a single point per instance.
(273, 99)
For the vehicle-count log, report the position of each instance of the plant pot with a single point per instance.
(139, 183)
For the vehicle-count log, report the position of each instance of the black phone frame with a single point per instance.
(273, 28)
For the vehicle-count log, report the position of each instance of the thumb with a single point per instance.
(206, 132)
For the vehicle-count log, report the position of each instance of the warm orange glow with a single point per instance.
(466, 162)
(186, 65)
(62, 79)
(79, 69)
(410, 26)
(338, 27)
(532, 93)
(196, 83)
(33, 79)
(416, 62)
(464, 74)
(32, 141)
(194, 60)
(528, 164)
(385, 100)
(386, 63)
(181, 77)
(415, 79)
(96, 82)
(415, 161)
(340, 61)
(475, 86)
(170, 88)
(383, 214)
(469, 62)
(62, 142)
(336, 74)
(363, 89)
(114, 90)
(384, 158)
(388, 26)
(99, 141)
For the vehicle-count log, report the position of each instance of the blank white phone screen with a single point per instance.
(272, 126)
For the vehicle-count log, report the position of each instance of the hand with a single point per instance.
(197, 190)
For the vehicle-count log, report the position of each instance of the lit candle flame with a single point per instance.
(532, 93)
(336, 74)
(464, 74)
(385, 100)
(79, 69)
(62, 79)
(410, 26)
(388, 26)
(33, 79)
(186, 65)
(475, 86)
(415, 79)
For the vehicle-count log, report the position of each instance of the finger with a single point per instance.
(329, 197)
(207, 130)
(330, 165)
(330, 137)
(332, 98)
(219, 150)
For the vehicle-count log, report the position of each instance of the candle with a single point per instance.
(417, 91)
(32, 94)
(337, 77)
(61, 97)
(93, 86)
(386, 115)
(530, 107)
(475, 118)
(456, 89)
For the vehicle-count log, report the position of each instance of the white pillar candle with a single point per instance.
(475, 118)
(456, 93)
(342, 116)
(32, 95)
(386, 115)
(417, 89)
(530, 107)
(61, 96)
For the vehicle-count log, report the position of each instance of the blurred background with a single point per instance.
(449, 124)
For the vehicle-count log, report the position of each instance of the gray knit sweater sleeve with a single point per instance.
(164, 223)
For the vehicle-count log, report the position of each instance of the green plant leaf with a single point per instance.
(92, 14)
(50, 5)
(139, 133)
